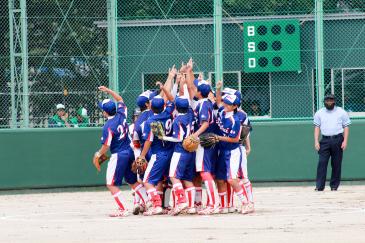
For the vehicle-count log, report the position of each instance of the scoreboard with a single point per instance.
(271, 46)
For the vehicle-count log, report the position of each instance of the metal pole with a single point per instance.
(218, 47)
(319, 51)
(24, 44)
(112, 44)
(12, 64)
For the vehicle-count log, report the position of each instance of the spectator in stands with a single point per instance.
(60, 119)
(260, 96)
(255, 109)
(81, 119)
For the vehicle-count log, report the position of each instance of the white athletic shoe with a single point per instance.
(207, 211)
(232, 210)
(119, 213)
(248, 208)
(222, 210)
(153, 211)
(182, 206)
(149, 204)
(191, 211)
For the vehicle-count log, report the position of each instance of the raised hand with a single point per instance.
(159, 84)
(201, 76)
(103, 88)
(183, 68)
(172, 72)
(189, 65)
(219, 84)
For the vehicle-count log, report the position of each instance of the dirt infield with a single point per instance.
(283, 214)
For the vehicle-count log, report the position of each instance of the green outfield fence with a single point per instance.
(283, 55)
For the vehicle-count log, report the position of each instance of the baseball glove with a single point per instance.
(208, 140)
(245, 130)
(103, 158)
(190, 143)
(139, 166)
(157, 129)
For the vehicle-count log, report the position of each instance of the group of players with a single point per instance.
(185, 106)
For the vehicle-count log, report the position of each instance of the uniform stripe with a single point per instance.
(174, 163)
(110, 172)
(108, 140)
(149, 168)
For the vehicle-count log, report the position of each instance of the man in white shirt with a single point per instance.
(332, 122)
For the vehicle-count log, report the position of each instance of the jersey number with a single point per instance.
(121, 129)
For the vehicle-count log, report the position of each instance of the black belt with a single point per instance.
(333, 136)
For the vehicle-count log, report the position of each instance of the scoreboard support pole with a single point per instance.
(218, 48)
(319, 51)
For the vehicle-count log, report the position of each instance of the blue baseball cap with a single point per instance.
(145, 97)
(142, 99)
(232, 92)
(182, 102)
(157, 102)
(108, 106)
(230, 99)
(203, 87)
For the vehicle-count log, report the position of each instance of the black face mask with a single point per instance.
(329, 106)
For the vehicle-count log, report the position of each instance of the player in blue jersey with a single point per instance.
(230, 153)
(205, 157)
(245, 146)
(161, 151)
(182, 169)
(143, 103)
(115, 138)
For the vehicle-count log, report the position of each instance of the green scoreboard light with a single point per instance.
(272, 46)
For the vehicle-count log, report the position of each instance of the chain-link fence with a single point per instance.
(269, 54)
(281, 80)
(67, 60)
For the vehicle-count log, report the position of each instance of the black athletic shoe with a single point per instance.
(333, 189)
(318, 190)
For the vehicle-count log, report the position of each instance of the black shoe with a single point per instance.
(333, 189)
(318, 190)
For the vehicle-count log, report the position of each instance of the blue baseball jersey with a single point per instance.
(139, 126)
(165, 117)
(115, 131)
(182, 127)
(242, 117)
(204, 113)
(229, 126)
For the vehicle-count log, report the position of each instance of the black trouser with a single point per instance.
(330, 147)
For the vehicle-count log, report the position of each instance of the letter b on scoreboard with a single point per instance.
(272, 46)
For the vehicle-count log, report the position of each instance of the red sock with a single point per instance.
(119, 199)
(190, 194)
(223, 199)
(229, 195)
(210, 186)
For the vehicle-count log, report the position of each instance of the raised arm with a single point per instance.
(218, 93)
(167, 94)
(114, 94)
(170, 78)
(190, 78)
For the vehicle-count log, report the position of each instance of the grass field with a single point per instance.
(290, 212)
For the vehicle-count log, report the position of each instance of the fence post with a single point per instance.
(19, 51)
(218, 49)
(319, 51)
(112, 44)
